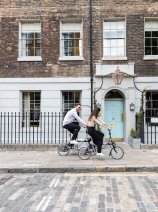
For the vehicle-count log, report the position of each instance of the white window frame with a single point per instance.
(151, 111)
(80, 30)
(26, 110)
(28, 58)
(115, 57)
(149, 57)
(70, 100)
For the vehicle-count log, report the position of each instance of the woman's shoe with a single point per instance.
(100, 154)
(73, 142)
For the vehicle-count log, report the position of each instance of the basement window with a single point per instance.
(69, 99)
(151, 110)
(31, 109)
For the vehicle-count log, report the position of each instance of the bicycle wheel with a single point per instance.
(63, 149)
(117, 152)
(75, 148)
(106, 150)
(84, 153)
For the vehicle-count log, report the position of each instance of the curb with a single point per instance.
(48, 170)
(114, 168)
(28, 147)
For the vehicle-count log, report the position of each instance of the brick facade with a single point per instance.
(50, 13)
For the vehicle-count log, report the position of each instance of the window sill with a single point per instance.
(29, 59)
(114, 58)
(150, 57)
(66, 58)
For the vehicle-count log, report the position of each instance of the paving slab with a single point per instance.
(51, 161)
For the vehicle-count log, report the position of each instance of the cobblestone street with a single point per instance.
(79, 192)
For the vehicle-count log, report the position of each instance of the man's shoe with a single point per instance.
(73, 142)
(100, 154)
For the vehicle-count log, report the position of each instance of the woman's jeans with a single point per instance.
(97, 137)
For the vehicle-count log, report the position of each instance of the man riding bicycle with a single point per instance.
(70, 123)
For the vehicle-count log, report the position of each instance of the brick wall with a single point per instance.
(50, 13)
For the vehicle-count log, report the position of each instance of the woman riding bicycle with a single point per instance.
(96, 135)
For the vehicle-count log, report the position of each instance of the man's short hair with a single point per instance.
(77, 104)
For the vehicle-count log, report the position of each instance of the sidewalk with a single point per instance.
(50, 162)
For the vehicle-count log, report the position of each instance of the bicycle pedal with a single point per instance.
(93, 153)
(70, 144)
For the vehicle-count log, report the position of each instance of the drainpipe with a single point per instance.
(91, 50)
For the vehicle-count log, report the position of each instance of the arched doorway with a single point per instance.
(114, 113)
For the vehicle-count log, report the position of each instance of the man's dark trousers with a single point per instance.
(74, 128)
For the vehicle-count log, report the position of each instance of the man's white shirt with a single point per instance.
(71, 116)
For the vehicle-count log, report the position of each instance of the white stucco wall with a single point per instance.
(131, 95)
(51, 92)
(51, 95)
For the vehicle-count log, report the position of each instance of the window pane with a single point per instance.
(113, 51)
(24, 36)
(37, 35)
(107, 25)
(70, 98)
(77, 35)
(30, 41)
(120, 51)
(148, 42)
(151, 37)
(120, 42)
(147, 50)
(31, 105)
(154, 24)
(155, 34)
(113, 25)
(106, 51)
(114, 34)
(151, 105)
(154, 41)
(66, 52)
(154, 50)
(37, 52)
(121, 25)
(71, 40)
(114, 37)
(29, 36)
(147, 34)
(64, 35)
(113, 43)
(106, 43)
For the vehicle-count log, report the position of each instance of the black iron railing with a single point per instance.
(28, 128)
(149, 129)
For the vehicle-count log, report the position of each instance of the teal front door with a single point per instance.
(114, 115)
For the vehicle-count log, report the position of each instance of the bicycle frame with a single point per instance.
(115, 151)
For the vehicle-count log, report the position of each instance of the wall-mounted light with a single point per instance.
(98, 105)
(132, 106)
(118, 76)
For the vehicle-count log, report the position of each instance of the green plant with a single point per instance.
(140, 115)
(134, 133)
(131, 131)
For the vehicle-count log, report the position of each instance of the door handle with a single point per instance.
(122, 117)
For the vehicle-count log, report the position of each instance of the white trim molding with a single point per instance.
(103, 70)
(114, 58)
